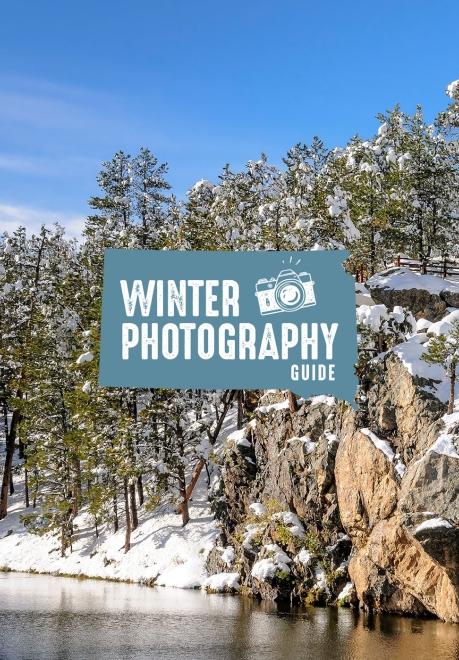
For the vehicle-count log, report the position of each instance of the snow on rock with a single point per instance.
(283, 405)
(265, 569)
(228, 555)
(292, 521)
(404, 279)
(240, 437)
(422, 325)
(85, 357)
(321, 579)
(258, 509)
(444, 326)
(303, 557)
(345, 591)
(410, 354)
(251, 532)
(222, 582)
(371, 316)
(279, 556)
(308, 445)
(322, 399)
(432, 523)
(86, 387)
(444, 444)
(331, 438)
(400, 467)
(382, 445)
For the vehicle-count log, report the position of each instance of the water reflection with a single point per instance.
(58, 618)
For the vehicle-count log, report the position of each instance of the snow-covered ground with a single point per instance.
(162, 551)
(404, 279)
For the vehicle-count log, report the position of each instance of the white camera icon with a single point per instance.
(289, 292)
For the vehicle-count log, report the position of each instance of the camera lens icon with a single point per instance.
(289, 292)
(289, 295)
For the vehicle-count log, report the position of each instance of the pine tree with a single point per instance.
(150, 203)
(198, 229)
(444, 350)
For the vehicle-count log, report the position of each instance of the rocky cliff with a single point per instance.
(325, 505)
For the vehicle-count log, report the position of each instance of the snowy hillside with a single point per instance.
(162, 551)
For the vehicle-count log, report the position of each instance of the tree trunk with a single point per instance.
(372, 254)
(35, 490)
(240, 410)
(194, 479)
(67, 531)
(76, 487)
(226, 405)
(63, 540)
(7, 470)
(185, 511)
(134, 517)
(116, 523)
(140, 490)
(292, 402)
(452, 384)
(26, 488)
(127, 538)
(184, 504)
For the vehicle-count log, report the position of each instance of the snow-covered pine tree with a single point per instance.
(444, 350)
(431, 188)
(150, 200)
(198, 229)
(368, 172)
(315, 203)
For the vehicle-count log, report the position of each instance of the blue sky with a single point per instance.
(200, 83)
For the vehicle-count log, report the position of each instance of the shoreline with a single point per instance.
(286, 608)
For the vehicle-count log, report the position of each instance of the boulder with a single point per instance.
(401, 405)
(394, 568)
(427, 296)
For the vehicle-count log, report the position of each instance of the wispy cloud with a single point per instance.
(13, 216)
(44, 105)
(55, 166)
(22, 164)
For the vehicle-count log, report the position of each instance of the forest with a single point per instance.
(114, 451)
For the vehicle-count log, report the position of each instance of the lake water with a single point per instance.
(51, 618)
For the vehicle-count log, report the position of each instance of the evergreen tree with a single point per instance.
(444, 350)
(150, 202)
